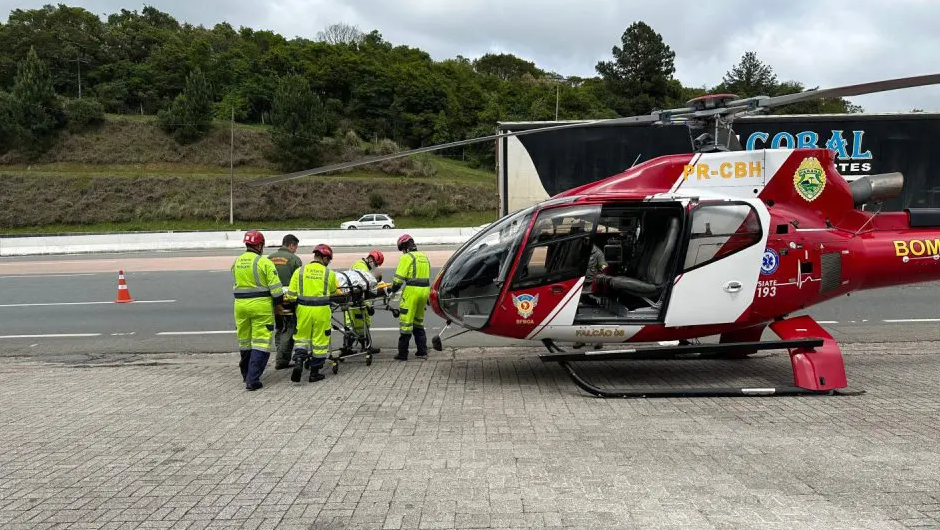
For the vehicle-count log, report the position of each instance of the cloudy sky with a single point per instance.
(820, 43)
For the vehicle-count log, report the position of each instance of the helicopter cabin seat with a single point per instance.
(651, 271)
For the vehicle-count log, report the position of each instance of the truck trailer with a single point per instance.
(533, 167)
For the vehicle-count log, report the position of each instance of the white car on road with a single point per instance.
(369, 220)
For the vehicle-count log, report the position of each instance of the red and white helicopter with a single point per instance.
(717, 242)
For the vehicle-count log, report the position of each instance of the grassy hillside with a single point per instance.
(128, 175)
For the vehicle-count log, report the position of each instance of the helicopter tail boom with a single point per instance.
(903, 254)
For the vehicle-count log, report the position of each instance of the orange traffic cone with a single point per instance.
(123, 295)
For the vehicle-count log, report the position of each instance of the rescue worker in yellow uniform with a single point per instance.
(356, 319)
(311, 287)
(414, 274)
(257, 291)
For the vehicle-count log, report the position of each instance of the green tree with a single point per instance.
(37, 110)
(505, 66)
(69, 39)
(750, 77)
(341, 33)
(82, 114)
(297, 124)
(638, 78)
(8, 122)
(231, 101)
(189, 117)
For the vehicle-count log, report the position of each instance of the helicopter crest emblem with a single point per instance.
(809, 179)
(525, 304)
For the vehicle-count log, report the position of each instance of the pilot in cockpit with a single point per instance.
(596, 265)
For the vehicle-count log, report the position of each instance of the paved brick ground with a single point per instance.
(464, 440)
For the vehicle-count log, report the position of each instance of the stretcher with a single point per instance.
(358, 293)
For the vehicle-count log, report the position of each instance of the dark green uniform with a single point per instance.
(286, 262)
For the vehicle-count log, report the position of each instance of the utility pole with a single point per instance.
(78, 61)
(557, 88)
(231, 169)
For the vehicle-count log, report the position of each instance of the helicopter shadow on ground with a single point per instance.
(528, 371)
(763, 370)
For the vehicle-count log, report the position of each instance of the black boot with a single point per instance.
(243, 364)
(315, 365)
(300, 357)
(403, 341)
(421, 342)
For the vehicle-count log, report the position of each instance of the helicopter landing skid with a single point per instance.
(563, 359)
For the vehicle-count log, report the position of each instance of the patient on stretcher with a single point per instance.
(357, 285)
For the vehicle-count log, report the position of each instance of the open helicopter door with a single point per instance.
(545, 287)
(549, 292)
(717, 278)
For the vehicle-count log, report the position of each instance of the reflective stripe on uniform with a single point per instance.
(312, 300)
(259, 290)
(312, 334)
(412, 278)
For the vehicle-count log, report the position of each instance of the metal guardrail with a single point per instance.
(137, 241)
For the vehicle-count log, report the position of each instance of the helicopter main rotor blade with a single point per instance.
(662, 116)
(848, 90)
(648, 118)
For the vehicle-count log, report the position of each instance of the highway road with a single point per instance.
(64, 305)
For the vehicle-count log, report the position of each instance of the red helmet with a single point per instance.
(253, 238)
(377, 257)
(404, 240)
(323, 250)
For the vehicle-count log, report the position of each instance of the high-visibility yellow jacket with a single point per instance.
(312, 285)
(361, 265)
(256, 277)
(414, 270)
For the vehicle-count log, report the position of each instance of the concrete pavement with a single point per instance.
(468, 439)
(125, 416)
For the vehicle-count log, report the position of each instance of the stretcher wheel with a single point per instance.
(368, 360)
(335, 368)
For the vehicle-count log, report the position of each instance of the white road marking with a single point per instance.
(829, 322)
(51, 335)
(913, 320)
(222, 332)
(195, 332)
(58, 262)
(122, 334)
(44, 276)
(396, 329)
(88, 303)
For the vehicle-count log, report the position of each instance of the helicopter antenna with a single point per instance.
(637, 159)
(881, 205)
(698, 114)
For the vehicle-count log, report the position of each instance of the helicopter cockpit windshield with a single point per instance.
(471, 282)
